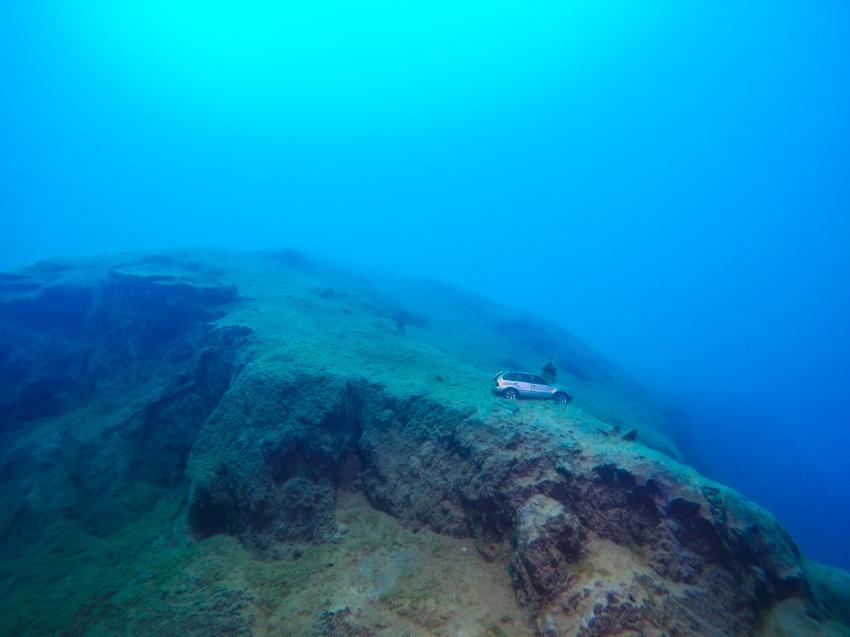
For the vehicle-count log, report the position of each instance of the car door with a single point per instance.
(540, 387)
(525, 386)
(511, 379)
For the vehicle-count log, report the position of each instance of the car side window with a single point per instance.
(525, 378)
(509, 376)
(539, 380)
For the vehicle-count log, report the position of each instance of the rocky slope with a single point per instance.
(222, 443)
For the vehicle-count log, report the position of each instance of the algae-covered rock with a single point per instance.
(831, 587)
(183, 435)
(547, 539)
(266, 464)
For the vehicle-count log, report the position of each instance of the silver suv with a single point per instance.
(512, 385)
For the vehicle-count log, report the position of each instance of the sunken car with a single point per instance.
(513, 385)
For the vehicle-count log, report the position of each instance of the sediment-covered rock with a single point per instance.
(547, 539)
(129, 367)
(266, 465)
(700, 559)
(248, 402)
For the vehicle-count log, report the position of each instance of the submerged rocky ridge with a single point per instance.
(224, 443)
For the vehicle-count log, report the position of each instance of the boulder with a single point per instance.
(547, 539)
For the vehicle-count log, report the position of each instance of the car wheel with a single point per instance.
(510, 393)
(562, 397)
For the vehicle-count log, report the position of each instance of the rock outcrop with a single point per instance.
(251, 400)
(699, 558)
(267, 463)
(547, 540)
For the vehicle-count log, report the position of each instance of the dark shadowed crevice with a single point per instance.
(211, 514)
(288, 476)
(69, 343)
(695, 532)
(124, 340)
(170, 425)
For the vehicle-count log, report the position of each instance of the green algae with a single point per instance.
(143, 580)
(82, 578)
(135, 570)
(494, 630)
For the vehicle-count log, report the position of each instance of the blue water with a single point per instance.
(670, 181)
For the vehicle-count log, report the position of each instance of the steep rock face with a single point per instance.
(702, 560)
(267, 462)
(131, 366)
(547, 540)
(62, 343)
(718, 559)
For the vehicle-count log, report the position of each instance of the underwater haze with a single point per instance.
(668, 181)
